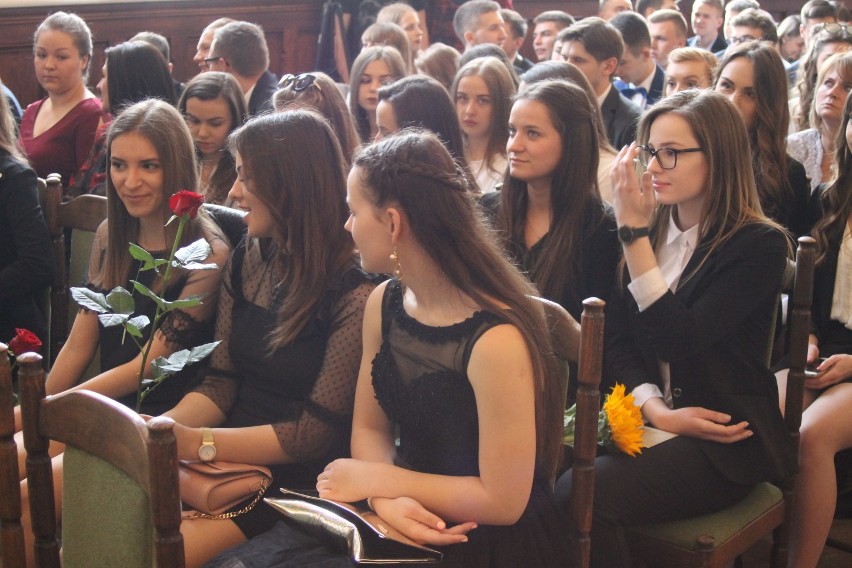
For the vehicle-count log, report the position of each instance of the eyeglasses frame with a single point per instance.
(655, 151)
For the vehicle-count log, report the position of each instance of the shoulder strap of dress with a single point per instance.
(391, 290)
(488, 322)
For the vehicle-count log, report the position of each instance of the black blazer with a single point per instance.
(713, 332)
(620, 116)
(26, 253)
(261, 97)
(658, 85)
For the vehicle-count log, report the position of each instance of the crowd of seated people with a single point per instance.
(377, 337)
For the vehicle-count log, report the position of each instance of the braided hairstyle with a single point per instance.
(413, 171)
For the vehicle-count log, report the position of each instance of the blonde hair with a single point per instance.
(840, 62)
(688, 54)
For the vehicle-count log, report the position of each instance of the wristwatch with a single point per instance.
(629, 234)
(207, 451)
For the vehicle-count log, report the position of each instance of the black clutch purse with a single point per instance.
(355, 531)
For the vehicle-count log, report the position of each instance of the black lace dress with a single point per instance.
(420, 379)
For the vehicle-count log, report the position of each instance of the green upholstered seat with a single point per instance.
(721, 525)
(106, 516)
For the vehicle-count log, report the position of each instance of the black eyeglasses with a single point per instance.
(666, 157)
(830, 27)
(209, 60)
(299, 82)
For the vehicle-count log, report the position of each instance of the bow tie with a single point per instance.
(633, 92)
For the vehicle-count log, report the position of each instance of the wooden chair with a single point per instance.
(83, 213)
(717, 540)
(121, 504)
(11, 531)
(583, 345)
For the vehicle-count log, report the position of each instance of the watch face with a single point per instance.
(625, 234)
(207, 452)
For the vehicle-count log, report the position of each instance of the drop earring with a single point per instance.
(397, 267)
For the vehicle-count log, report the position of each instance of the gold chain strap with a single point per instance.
(232, 514)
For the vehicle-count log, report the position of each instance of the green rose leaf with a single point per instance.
(199, 250)
(177, 361)
(145, 291)
(143, 256)
(86, 298)
(188, 302)
(134, 326)
(198, 266)
(110, 320)
(121, 301)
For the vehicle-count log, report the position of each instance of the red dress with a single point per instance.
(64, 147)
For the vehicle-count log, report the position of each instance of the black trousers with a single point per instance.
(670, 481)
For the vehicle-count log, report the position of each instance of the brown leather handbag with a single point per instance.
(214, 487)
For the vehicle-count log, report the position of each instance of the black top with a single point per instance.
(26, 255)
(421, 382)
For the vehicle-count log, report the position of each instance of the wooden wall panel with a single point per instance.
(291, 27)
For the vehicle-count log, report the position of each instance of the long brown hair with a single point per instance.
(296, 168)
(836, 199)
(501, 89)
(807, 78)
(768, 134)
(573, 189)
(209, 86)
(413, 171)
(731, 200)
(397, 68)
(160, 124)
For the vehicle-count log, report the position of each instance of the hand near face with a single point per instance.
(633, 201)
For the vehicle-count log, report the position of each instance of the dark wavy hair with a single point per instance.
(413, 171)
(296, 168)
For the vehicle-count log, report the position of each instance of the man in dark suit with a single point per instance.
(239, 48)
(640, 79)
(707, 19)
(596, 48)
(516, 32)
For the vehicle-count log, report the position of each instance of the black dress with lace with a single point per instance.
(420, 380)
(304, 389)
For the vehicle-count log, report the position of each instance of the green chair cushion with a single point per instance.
(721, 525)
(106, 518)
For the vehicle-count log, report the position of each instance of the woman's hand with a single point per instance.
(813, 349)
(409, 517)
(695, 422)
(633, 204)
(833, 370)
(348, 480)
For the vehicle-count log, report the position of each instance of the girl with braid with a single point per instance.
(456, 360)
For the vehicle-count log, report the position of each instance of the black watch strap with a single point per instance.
(629, 234)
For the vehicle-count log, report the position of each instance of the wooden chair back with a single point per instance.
(716, 540)
(83, 213)
(99, 428)
(11, 531)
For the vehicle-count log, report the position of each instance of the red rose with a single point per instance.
(186, 202)
(24, 341)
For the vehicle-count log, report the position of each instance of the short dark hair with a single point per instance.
(673, 16)
(633, 29)
(599, 37)
(560, 18)
(516, 22)
(818, 9)
(759, 19)
(468, 14)
(741, 5)
(642, 5)
(244, 46)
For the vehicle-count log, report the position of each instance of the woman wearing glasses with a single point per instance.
(213, 106)
(688, 331)
(317, 91)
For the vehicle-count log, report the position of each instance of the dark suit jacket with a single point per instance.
(713, 332)
(658, 85)
(521, 64)
(26, 254)
(719, 45)
(261, 97)
(620, 116)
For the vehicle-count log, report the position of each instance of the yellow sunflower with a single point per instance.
(625, 421)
